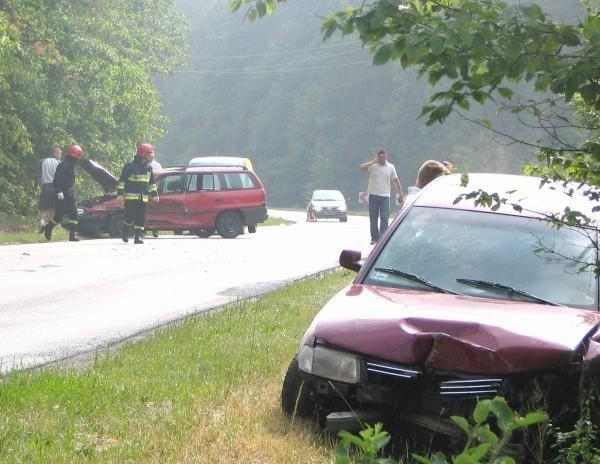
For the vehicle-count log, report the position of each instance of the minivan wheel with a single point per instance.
(295, 397)
(115, 225)
(252, 229)
(230, 225)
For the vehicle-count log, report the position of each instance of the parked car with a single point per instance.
(458, 303)
(202, 200)
(231, 161)
(326, 204)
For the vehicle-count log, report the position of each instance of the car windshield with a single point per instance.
(327, 195)
(489, 255)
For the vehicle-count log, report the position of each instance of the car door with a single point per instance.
(170, 212)
(206, 197)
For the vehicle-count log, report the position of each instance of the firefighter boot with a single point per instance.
(73, 233)
(138, 236)
(48, 230)
(125, 233)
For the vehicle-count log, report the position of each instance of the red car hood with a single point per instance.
(107, 180)
(457, 333)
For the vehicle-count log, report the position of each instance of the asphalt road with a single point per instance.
(60, 299)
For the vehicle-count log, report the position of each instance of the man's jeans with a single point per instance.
(379, 215)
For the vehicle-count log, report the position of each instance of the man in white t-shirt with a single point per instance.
(154, 165)
(46, 171)
(382, 174)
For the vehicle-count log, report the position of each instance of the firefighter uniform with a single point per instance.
(136, 185)
(66, 203)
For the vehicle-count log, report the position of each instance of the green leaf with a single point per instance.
(271, 6)
(532, 417)
(437, 46)
(235, 5)
(464, 458)
(481, 411)
(342, 453)
(484, 433)
(461, 421)
(480, 451)
(504, 413)
(505, 92)
(383, 54)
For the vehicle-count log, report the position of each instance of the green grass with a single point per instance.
(20, 229)
(203, 391)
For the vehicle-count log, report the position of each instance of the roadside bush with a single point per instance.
(483, 444)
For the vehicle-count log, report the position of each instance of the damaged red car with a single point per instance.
(205, 201)
(458, 303)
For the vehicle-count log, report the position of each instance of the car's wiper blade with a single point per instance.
(414, 278)
(505, 288)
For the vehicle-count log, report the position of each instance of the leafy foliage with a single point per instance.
(582, 444)
(483, 444)
(80, 73)
(308, 113)
(368, 444)
(476, 49)
(474, 52)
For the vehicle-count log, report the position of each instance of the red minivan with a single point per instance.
(201, 200)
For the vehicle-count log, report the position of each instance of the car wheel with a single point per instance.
(344, 219)
(230, 225)
(252, 229)
(178, 232)
(115, 225)
(295, 397)
(204, 233)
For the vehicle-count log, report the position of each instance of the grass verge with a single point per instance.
(19, 229)
(203, 391)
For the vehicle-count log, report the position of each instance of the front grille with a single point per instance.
(391, 370)
(470, 388)
(444, 386)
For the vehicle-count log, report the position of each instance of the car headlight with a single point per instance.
(316, 208)
(330, 364)
(80, 211)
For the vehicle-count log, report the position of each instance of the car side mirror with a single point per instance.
(350, 259)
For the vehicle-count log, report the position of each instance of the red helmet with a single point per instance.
(76, 151)
(144, 149)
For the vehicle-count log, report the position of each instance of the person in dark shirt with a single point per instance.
(66, 203)
(136, 185)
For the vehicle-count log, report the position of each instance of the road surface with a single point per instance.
(60, 299)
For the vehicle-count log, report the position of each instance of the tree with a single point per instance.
(480, 51)
(80, 72)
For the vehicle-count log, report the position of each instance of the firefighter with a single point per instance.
(136, 184)
(66, 203)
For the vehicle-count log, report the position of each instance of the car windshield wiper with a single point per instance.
(414, 278)
(505, 288)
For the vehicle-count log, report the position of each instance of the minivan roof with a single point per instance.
(184, 169)
(213, 160)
